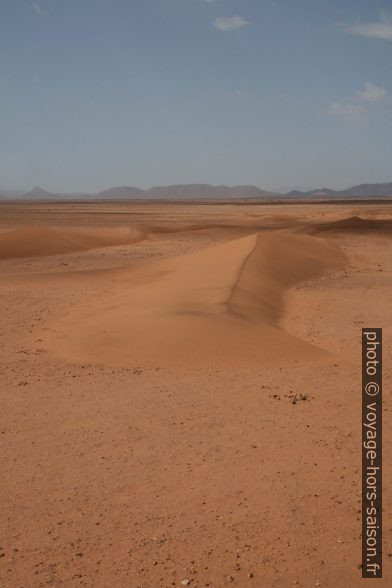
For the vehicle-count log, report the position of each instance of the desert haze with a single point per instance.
(181, 391)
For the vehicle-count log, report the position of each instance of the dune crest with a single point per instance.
(278, 261)
(216, 307)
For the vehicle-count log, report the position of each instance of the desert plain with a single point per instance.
(181, 392)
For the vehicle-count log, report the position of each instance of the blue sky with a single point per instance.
(276, 93)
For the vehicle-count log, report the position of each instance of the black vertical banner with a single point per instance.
(371, 453)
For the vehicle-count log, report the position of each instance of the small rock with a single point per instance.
(185, 582)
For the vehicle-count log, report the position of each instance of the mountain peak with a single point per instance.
(38, 192)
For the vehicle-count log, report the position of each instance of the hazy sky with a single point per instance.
(277, 93)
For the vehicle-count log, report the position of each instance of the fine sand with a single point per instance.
(181, 392)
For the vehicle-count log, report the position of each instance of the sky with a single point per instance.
(277, 93)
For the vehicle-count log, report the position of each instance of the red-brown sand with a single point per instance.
(181, 392)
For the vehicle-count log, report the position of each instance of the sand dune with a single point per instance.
(352, 223)
(39, 241)
(215, 307)
(42, 241)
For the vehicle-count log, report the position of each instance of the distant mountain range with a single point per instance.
(203, 192)
(176, 192)
(360, 191)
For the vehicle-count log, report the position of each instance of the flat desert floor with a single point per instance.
(181, 392)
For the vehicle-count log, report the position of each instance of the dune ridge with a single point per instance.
(277, 262)
(218, 306)
(41, 241)
(351, 224)
(45, 241)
